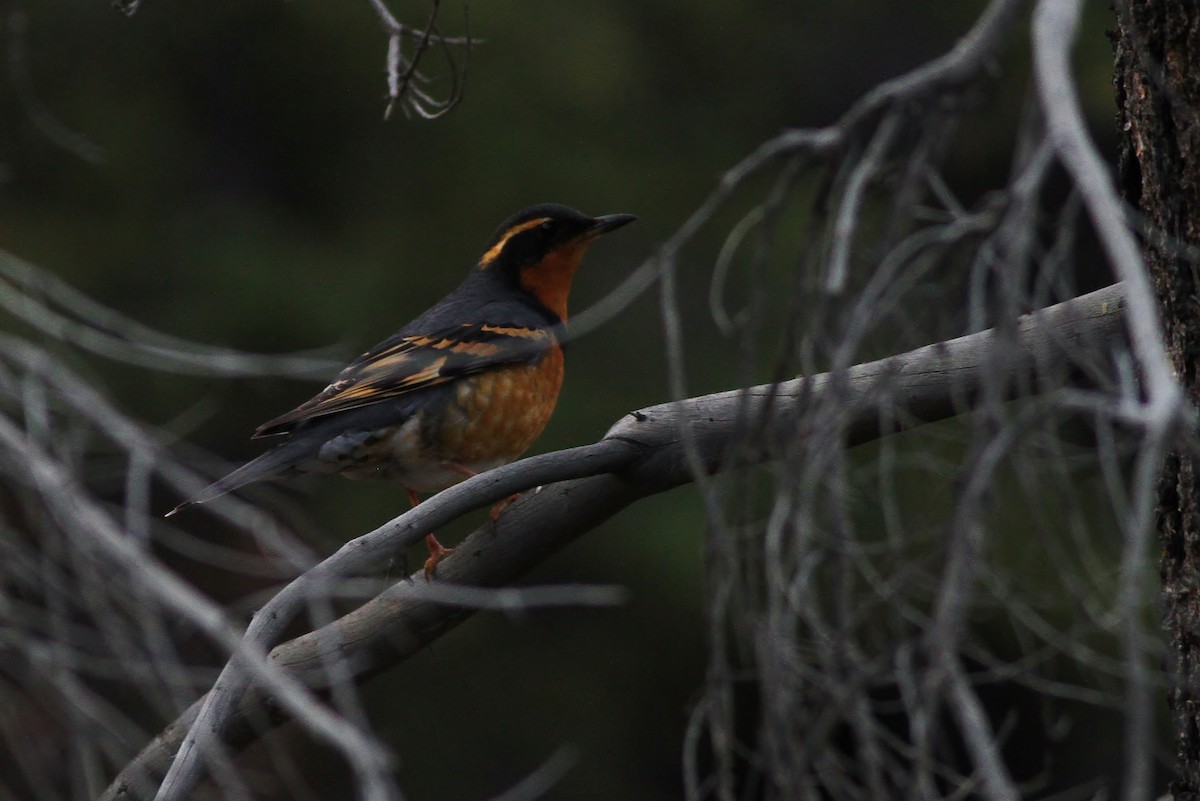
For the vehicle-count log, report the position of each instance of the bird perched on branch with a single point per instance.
(465, 387)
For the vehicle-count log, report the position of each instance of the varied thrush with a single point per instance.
(465, 387)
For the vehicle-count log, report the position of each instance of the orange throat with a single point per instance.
(549, 280)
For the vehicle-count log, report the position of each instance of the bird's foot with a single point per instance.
(437, 552)
(498, 509)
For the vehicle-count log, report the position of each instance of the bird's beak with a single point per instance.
(609, 222)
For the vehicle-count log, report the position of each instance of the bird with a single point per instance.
(467, 386)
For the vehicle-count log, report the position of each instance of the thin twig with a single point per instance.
(60, 311)
(962, 65)
(403, 75)
(22, 83)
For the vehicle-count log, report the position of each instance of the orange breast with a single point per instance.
(497, 415)
(549, 279)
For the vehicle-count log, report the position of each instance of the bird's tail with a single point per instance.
(272, 464)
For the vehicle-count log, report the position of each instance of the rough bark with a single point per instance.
(1158, 95)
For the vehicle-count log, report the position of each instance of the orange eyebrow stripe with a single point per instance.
(496, 249)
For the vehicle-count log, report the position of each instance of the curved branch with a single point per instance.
(358, 556)
(964, 63)
(55, 308)
(403, 75)
(1054, 28)
(1165, 409)
(646, 452)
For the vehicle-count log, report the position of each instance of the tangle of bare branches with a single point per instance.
(641, 455)
(407, 84)
(409, 87)
(862, 603)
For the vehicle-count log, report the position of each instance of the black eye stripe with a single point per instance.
(541, 235)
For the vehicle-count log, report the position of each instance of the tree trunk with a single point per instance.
(1158, 94)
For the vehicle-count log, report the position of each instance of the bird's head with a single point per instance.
(540, 248)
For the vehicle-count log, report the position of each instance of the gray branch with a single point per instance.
(646, 452)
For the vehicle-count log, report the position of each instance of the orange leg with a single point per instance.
(462, 470)
(499, 508)
(437, 551)
(496, 510)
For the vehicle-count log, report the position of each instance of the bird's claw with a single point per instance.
(437, 552)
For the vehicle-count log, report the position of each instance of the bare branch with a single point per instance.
(367, 551)
(403, 74)
(19, 78)
(1165, 410)
(127, 7)
(370, 761)
(849, 606)
(953, 71)
(642, 454)
(58, 310)
(1055, 25)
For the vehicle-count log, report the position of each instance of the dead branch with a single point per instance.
(644, 453)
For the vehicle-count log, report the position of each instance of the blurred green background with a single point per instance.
(248, 193)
